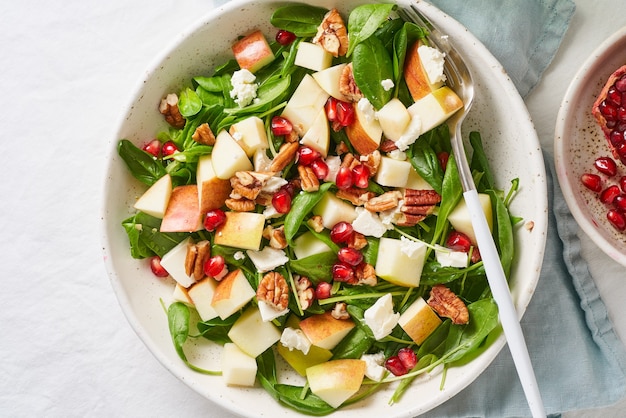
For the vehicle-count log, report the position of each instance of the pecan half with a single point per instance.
(286, 155)
(347, 85)
(204, 135)
(306, 293)
(349, 160)
(357, 241)
(386, 201)
(240, 204)
(354, 195)
(274, 290)
(420, 202)
(332, 34)
(308, 180)
(197, 254)
(169, 109)
(446, 304)
(248, 184)
(387, 145)
(407, 219)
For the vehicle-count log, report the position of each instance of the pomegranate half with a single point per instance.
(609, 109)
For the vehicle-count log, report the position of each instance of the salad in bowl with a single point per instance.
(298, 215)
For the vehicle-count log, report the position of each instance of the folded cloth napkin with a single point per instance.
(578, 359)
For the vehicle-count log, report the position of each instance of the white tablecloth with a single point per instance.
(67, 68)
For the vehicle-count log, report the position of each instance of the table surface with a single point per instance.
(68, 68)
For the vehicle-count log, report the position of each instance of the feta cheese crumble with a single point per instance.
(294, 339)
(368, 223)
(448, 258)
(367, 109)
(267, 259)
(387, 84)
(409, 247)
(380, 317)
(374, 366)
(433, 61)
(410, 135)
(244, 87)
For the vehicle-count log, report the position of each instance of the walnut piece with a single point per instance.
(204, 135)
(248, 184)
(274, 290)
(306, 293)
(332, 34)
(386, 201)
(276, 236)
(340, 311)
(365, 274)
(316, 222)
(286, 155)
(169, 109)
(347, 85)
(448, 305)
(308, 180)
(197, 254)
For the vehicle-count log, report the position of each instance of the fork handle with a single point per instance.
(506, 309)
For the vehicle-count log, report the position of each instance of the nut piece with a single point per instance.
(169, 108)
(347, 85)
(446, 304)
(340, 311)
(365, 274)
(354, 195)
(332, 34)
(248, 184)
(286, 154)
(305, 290)
(386, 201)
(407, 219)
(204, 135)
(387, 145)
(308, 179)
(240, 204)
(371, 161)
(357, 241)
(316, 223)
(276, 236)
(273, 290)
(197, 254)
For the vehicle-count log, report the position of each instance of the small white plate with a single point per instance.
(578, 141)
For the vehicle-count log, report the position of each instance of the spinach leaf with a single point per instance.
(217, 329)
(317, 267)
(450, 195)
(301, 206)
(424, 160)
(145, 238)
(480, 161)
(364, 20)
(211, 84)
(300, 19)
(143, 166)
(267, 93)
(372, 64)
(503, 232)
(358, 341)
(189, 104)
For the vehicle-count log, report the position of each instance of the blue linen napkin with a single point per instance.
(578, 359)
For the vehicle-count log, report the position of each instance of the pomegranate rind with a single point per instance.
(595, 110)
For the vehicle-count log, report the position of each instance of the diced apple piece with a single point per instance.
(212, 190)
(415, 74)
(183, 210)
(250, 135)
(238, 368)
(174, 262)
(312, 56)
(400, 262)
(336, 380)
(329, 80)
(154, 201)
(300, 361)
(323, 330)
(461, 220)
(305, 104)
(308, 244)
(251, 334)
(393, 173)
(417, 182)
(228, 157)
(394, 118)
(180, 295)
(201, 294)
(241, 230)
(318, 135)
(436, 107)
(231, 294)
(334, 210)
(253, 52)
(419, 321)
(365, 132)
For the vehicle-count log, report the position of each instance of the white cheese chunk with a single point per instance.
(294, 339)
(449, 258)
(374, 366)
(244, 87)
(273, 184)
(367, 109)
(267, 259)
(413, 131)
(368, 223)
(269, 313)
(387, 84)
(433, 61)
(409, 247)
(380, 317)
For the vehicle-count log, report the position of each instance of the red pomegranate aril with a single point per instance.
(620, 202)
(281, 201)
(345, 113)
(284, 37)
(341, 232)
(458, 241)
(343, 180)
(156, 267)
(153, 148)
(213, 219)
(331, 109)
(395, 366)
(322, 290)
(289, 188)
(350, 256)
(620, 84)
(591, 181)
(342, 272)
(443, 157)
(622, 183)
(169, 148)
(361, 176)
(617, 219)
(614, 96)
(408, 357)
(606, 165)
(475, 258)
(306, 155)
(320, 168)
(214, 266)
(616, 137)
(609, 194)
(280, 126)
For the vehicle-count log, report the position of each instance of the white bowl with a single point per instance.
(578, 141)
(510, 142)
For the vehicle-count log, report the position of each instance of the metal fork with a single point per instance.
(459, 79)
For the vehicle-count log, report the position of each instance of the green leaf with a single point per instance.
(143, 166)
(189, 104)
(145, 238)
(267, 93)
(300, 19)
(364, 20)
(451, 193)
(371, 65)
(301, 206)
(317, 267)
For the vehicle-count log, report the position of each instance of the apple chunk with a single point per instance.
(329, 80)
(154, 201)
(201, 295)
(238, 368)
(416, 74)
(312, 56)
(461, 220)
(419, 321)
(174, 262)
(228, 157)
(212, 190)
(365, 132)
(400, 261)
(241, 230)
(394, 119)
(318, 135)
(336, 380)
(253, 52)
(305, 104)
(183, 210)
(251, 334)
(436, 107)
(250, 135)
(231, 294)
(334, 210)
(324, 331)
(393, 173)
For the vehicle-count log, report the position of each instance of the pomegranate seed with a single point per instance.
(281, 201)
(306, 155)
(620, 203)
(153, 148)
(609, 194)
(169, 148)
(214, 266)
(591, 181)
(213, 219)
(343, 180)
(395, 366)
(361, 176)
(475, 255)
(617, 219)
(280, 126)
(284, 37)
(320, 168)
(622, 183)
(458, 241)
(345, 113)
(322, 290)
(342, 272)
(289, 188)
(331, 109)
(341, 232)
(350, 256)
(408, 357)
(443, 159)
(157, 268)
(606, 165)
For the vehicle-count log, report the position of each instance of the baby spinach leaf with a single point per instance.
(424, 160)
(212, 84)
(301, 206)
(317, 267)
(217, 329)
(503, 232)
(480, 161)
(451, 193)
(145, 238)
(143, 166)
(364, 20)
(268, 92)
(310, 404)
(300, 19)
(371, 65)
(189, 104)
